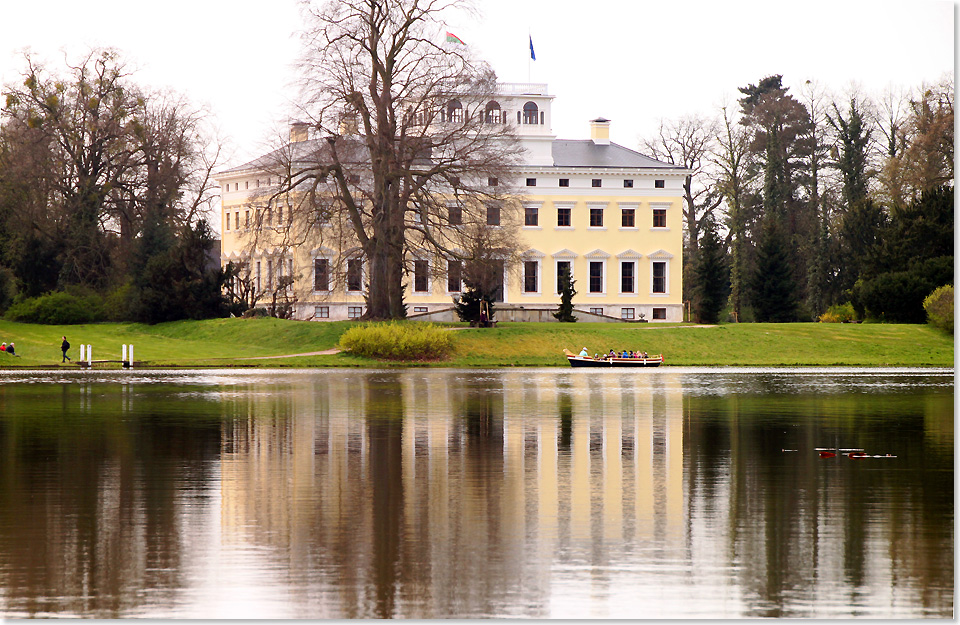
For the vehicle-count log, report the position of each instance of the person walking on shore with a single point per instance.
(64, 347)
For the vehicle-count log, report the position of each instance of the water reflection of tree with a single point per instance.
(798, 522)
(385, 422)
(91, 497)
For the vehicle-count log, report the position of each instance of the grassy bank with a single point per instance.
(249, 343)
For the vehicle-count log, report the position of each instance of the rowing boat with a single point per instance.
(586, 361)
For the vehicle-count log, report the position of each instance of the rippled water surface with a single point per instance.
(693, 493)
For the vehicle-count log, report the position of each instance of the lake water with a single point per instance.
(694, 493)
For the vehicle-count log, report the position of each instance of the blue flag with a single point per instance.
(532, 54)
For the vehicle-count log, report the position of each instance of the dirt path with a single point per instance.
(326, 352)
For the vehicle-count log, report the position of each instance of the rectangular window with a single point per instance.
(659, 218)
(531, 182)
(455, 215)
(246, 184)
(563, 267)
(628, 218)
(659, 277)
(596, 217)
(595, 182)
(627, 276)
(321, 312)
(419, 309)
(280, 215)
(354, 274)
(492, 182)
(530, 268)
(269, 274)
(228, 221)
(258, 277)
(658, 184)
(628, 184)
(659, 313)
(493, 215)
(627, 313)
(321, 274)
(246, 219)
(596, 277)
(563, 217)
(236, 220)
(454, 276)
(564, 182)
(531, 216)
(354, 312)
(597, 311)
(269, 217)
(497, 271)
(420, 276)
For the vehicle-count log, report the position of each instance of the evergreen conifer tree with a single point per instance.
(564, 312)
(773, 291)
(467, 306)
(711, 277)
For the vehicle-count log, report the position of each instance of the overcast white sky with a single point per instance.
(631, 61)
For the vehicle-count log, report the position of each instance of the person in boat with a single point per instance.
(583, 353)
(612, 354)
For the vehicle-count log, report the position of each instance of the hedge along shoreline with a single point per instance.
(398, 341)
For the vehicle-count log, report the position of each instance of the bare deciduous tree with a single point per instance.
(402, 137)
(107, 153)
(690, 142)
(732, 159)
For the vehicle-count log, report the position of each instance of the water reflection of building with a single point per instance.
(420, 488)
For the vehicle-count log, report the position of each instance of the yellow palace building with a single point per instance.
(608, 214)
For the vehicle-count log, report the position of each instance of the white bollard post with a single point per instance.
(131, 355)
(89, 355)
(123, 358)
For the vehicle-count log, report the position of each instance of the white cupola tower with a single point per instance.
(527, 106)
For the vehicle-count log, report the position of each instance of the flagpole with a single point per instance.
(529, 70)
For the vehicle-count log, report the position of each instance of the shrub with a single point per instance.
(118, 305)
(839, 313)
(897, 296)
(57, 309)
(939, 307)
(398, 341)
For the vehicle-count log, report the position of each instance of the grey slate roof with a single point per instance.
(291, 152)
(585, 153)
(566, 153)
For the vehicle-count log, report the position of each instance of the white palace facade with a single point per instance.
(608, 214)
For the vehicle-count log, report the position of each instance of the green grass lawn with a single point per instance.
(225, 342)
(750, 344)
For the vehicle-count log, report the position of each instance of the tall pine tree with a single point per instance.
(711, 277)
(774, 292)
